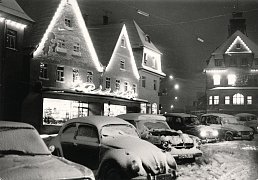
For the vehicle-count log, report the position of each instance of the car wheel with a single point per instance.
(229, 137)
(111, 171)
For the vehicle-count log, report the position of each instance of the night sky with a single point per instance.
(174, 27)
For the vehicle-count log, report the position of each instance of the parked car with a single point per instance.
(227, 126)
(112, 148)
(155, 129)
(190, 124)
(249, 120)
(24, 155)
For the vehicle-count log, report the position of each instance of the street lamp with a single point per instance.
(172, 106)
(176, 86)
(171, 77)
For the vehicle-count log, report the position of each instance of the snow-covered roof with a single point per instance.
(141, 116)
(218, 114)
(241, 88)
(179, 114)
(15, 124)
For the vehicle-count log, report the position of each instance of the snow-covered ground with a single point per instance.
(235, 160)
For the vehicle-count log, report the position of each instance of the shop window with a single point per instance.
(227, 99)
(126, 86)
(216, 79)
(117, 85)
(238, 99)
(143, 81)
(83, 109)
(11, 38)
(218, 62)
(122, 64)
(154, 108)
(75, 75)
(155, 84)
(43, 71)
(216, 100)
(123, 42)
(89, 77)
(231, 79)
(107, 83)
(249, 100)
(60, 73)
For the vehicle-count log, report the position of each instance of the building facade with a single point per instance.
(231, 73)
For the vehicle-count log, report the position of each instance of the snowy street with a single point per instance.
(224, 161)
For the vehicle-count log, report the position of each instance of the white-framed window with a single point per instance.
(123, 42)
(154, 84)
(11, 38)
(145, 58)
(89, 77)
(68, 22)
(231, 79)
(61, 43)
(238, 99)
(76, 47)
(216, 99)
(143, 81)
(122, 64)
(134, 88)
(249, 100)
(107, 82)
(227, 99)
(117, 86)
(125, 86)
(43, 71)
(75, 75)
(210, 100)
(60, 73)
(216, 79)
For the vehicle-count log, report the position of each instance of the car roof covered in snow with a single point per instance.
(141, 116)
(218, 114)
(179, 114)
(15, 124)
(244, 114)
(98, 121)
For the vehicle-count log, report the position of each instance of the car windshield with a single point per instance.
(192, 121)
(118, 130)
(21, 141)
(153, 124)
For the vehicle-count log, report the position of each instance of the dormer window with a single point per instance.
(68, 22)
(123, 42)
(238, 45)
(147, 38)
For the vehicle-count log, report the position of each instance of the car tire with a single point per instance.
(111, 171)
(229, 137)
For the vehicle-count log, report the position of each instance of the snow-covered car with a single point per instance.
(112, 148)
(190, 124)
(228, 126)
(155, 129)
(24, 155)
(249, 120)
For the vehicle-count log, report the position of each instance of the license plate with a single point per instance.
(183, 156)
(163, 177)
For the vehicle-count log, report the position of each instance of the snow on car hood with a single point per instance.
(236, 127)
(150, 155)
(17, 167)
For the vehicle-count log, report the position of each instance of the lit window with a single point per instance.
(126, 86)
(61, 43)
(210, 100)
(216, 99)
(216, 79)
(231, 79)
(89, 77)
(238, 99)
(76, 47)
(75, 75)
(143, 81)
(123, 42)
(134, 88)
(218, 62)
(117, 85)
(107, 83)
(43, 71)
(227, 99)
(155, 84)
(122, 64)
(249, 100)
(60, 73)
(68, 22)
(11, 39)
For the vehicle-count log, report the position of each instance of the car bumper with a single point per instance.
(156, 177)
(209, 140)
(244, 137)
(186, 153)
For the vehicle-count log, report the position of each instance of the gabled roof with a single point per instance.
(12, 7)
(218, 53)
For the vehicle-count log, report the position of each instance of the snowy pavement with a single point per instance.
(235, 160)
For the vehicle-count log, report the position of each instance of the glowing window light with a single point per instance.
(215, 71)
(210, 100)
(236, 41)
(238, 99)
(227, 99)
(254, 70)
(216, 79)
(82, 26)
(111, 62)
(231, 79)
(216, 99)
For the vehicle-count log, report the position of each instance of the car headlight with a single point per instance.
(203, 133)
(134, 166)
(215, 133)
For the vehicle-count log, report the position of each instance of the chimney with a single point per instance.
(237, 22)
(105, 20)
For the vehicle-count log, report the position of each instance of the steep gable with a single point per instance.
(57, 29)
(238, 46)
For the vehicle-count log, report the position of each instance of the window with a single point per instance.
(122, 64)
(227, 99)
(145, 58)
(11, 38)
(117, 85)
(68, 132)
(147, 38)
(216, 99)
(68, 22)
(107, 83)
(88, 133)
(238, 45)
(155, 84)
(43, 71)
(238, 99)
(83, 109)
(76, 47)
(210, 100)
(218, 62)
(249, 100)
(123, 42)
(216, 79)
(89, 77)
(231, 79)
(60, 73)
(61, 43)
(134, 88)
(143, 81)
(126, 86)
(75, 75)
(233, 62)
